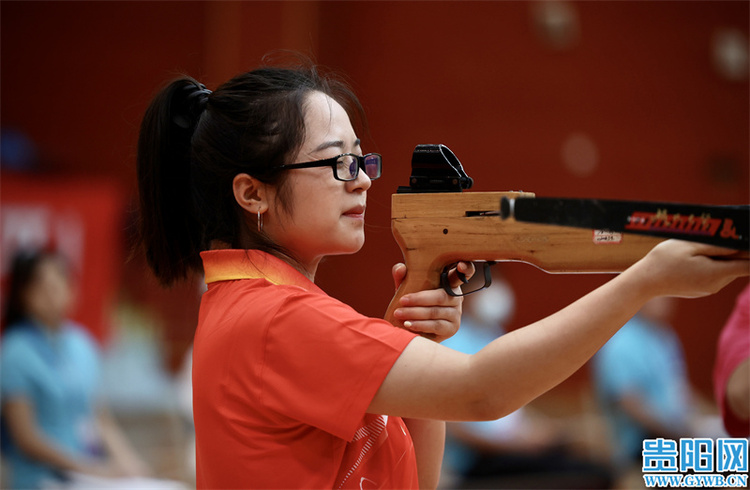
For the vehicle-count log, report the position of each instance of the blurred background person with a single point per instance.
(732, 369)
(525, 449)
(49, 368)
(642, 385)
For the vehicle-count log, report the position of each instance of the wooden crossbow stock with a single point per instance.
(436, 225)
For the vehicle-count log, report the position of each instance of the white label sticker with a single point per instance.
(603, 236)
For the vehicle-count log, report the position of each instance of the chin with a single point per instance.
(351, 248)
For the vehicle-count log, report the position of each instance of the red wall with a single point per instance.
(476, 76)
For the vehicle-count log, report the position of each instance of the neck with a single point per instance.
(50, 324)
(308, 271)
(307, 268)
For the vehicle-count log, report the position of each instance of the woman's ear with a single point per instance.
(250, 193)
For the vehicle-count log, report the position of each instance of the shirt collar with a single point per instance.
(233, 264)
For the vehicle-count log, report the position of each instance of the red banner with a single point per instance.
(84, 219)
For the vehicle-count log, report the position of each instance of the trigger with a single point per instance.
(461, 276)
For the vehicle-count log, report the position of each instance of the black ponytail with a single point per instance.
(169, 229)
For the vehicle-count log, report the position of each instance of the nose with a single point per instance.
(362, 182)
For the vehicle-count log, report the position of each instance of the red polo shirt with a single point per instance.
(282, 378)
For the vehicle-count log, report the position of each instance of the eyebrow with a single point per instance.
(335, 144)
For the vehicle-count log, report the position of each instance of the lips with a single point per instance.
(355, 212)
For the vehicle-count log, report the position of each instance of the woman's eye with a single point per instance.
(348, 165)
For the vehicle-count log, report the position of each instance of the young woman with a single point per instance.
(53, 425)
(256, 183)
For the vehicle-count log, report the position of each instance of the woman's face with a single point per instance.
(49, 296)
(326, 216)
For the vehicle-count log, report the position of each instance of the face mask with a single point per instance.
(493, 306)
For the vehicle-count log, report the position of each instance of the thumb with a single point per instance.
(399, 273)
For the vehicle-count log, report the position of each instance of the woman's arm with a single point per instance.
(18, 413)
(432, 382)
(119, 449)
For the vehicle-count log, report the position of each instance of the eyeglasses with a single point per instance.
(346, 167)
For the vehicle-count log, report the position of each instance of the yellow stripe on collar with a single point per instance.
(233, 264)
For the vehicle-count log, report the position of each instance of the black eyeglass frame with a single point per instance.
(333, 163)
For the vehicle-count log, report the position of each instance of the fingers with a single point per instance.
(726, 271)
(429, 313)
(461, 274)
(457, 276)
(704, 249)
(432, 313)
(714, 251)
(399, 273)
(427, 298)
(735, 262)
(691, 270)
(433, 330)
(437, 325)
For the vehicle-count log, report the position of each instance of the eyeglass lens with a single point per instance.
(348, 166)
(372, 166)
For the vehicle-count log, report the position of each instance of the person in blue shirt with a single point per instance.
(641, 382)
(524, 449)
(49, 372)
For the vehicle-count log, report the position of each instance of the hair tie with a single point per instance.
(190, 105)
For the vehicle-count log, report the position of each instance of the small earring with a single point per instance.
(260, 222)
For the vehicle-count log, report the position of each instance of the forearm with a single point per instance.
(117, 445)
(19, 418)
(429, 440)
(45, 452)
(527, 362)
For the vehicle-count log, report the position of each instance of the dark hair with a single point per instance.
(193, 143)
(22, 273)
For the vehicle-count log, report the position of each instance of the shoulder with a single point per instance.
(19, 356)
(313, 315)
(311, 305)
(18, 338)
(81, 344)
(262, 298)
(75, 332)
